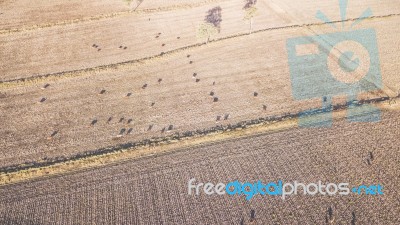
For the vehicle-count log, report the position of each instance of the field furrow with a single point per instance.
(154, 189)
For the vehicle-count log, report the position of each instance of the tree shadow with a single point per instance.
(109, 119)
(54, 133)
(122, 131)
(93, 122)
(214, 16)
(252, 215)
(249, 4)
(353, 219)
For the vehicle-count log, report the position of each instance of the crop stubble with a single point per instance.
(154, 189)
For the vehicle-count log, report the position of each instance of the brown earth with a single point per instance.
(66, 48)
(69, 47)
(153, 190)
(72, 104)
(149, 70)
(23, 15)
(19, 15)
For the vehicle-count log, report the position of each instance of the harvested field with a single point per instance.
(65, 48)
(73, 103)
(153, 190)
(20, 15)
(69, 48)
(57, 13)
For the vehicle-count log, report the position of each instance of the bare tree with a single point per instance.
(212, 23)
(250, 11)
